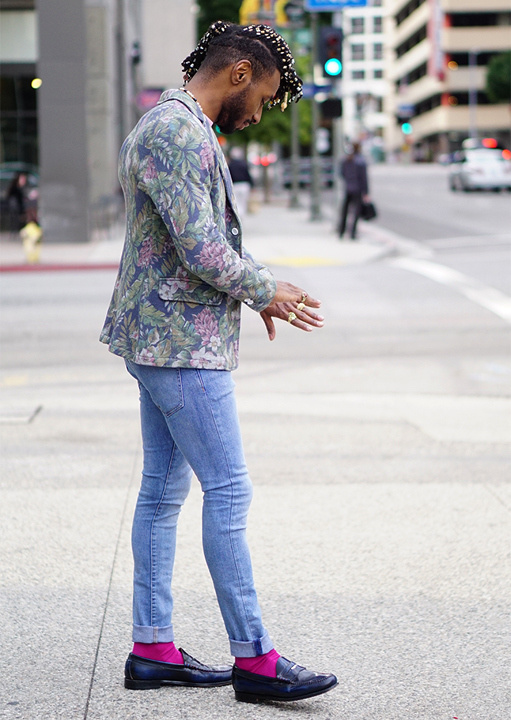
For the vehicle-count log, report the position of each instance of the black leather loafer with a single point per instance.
(293, 682)
(143, 674)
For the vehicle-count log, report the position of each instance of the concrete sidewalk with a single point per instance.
(380, 545)
(271, 227)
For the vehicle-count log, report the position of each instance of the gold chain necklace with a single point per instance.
(193, 98)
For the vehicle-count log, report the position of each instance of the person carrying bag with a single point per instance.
(354, 173)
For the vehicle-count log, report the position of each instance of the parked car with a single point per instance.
(9, 216)
(480, 165)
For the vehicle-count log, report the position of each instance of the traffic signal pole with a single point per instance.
(294, 201)
(295, 15)
(337, 126)
(315, 161)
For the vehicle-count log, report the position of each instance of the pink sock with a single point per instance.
(163, 652)
(261, 665)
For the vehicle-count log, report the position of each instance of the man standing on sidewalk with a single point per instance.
(175, 319)
(354, 174)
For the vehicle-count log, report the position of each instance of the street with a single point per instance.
(379, 451)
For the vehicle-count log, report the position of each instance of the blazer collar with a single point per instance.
(184, 98)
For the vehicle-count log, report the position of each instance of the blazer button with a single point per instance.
(235, 231)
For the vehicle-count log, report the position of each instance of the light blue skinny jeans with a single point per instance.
(190, 423)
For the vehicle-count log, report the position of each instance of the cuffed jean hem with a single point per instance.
(149, 635)
(251, 649)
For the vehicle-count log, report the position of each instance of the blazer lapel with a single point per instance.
(226, 174)
(196, 110)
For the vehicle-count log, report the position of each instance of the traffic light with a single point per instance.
(331, 108)
(406, 128)
(330, 51)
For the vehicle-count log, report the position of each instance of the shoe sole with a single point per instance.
(251, 698)
(154, 684)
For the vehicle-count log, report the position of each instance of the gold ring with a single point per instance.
(300, 306)
(304, 296)
(291, 317)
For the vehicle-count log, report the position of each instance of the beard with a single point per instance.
(233, 112)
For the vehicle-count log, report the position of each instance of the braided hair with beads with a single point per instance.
(225, 42)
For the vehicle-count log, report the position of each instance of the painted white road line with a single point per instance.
(490, 298)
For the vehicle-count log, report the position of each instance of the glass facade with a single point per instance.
(18, 113)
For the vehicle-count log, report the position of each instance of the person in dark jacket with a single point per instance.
(354, 174)
(16, 197)
(241, 178)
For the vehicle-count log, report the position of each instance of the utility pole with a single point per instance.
(294, 200)
(295, 15)
(472, 93)
(120, 33)
(337, 123)
(315, 160)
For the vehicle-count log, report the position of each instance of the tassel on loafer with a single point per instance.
(293, 682)
(143, 674)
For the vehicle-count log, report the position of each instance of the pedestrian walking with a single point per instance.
(17, 201)
(175, 319)
(241, 178)
(356, 190)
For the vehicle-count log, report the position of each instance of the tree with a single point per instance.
(212, 10)
(498, 78)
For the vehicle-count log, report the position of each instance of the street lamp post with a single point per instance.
(472, 93)
(337, 123)
(295, 14)
(315, 174)
(294, 200)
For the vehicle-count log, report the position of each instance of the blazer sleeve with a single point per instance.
(177, 170)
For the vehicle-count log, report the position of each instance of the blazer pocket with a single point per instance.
(189, 291)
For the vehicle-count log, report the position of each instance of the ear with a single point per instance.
(241, 73)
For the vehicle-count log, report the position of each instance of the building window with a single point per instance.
(358, 52)
(358, 75)
(376, 3)
(378, 104)
(417, 37)
(378, 74)
(407, 10)
(378, 24)
(357, 25)
(18, 108)
(378, 51)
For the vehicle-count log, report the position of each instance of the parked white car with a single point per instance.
(480, 168)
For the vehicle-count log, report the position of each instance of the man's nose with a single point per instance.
(257, 117)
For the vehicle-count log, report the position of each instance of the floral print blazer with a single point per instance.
(183, 273)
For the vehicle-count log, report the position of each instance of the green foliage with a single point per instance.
(212, 10)
(498, 78)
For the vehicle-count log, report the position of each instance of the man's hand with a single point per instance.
(291, 299)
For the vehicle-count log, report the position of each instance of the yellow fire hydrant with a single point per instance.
(31, 237)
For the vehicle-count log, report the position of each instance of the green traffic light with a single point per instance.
(333, 67)
(407, 128)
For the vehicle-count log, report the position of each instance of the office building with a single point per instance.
(72, 81)
(440, 50)
(364, 85)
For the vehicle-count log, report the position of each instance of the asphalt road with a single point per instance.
(416, 202)
(468, 231)
(379, 451)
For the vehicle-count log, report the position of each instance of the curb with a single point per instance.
(57, 267)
